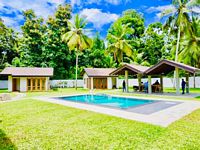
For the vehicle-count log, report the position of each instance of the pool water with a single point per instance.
(106, 100)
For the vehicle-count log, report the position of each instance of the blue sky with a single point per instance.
(99, 13)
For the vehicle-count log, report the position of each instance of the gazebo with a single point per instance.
(166, 66)
(130, 69)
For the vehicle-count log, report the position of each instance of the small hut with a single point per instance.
(99, 78)
(25, 79)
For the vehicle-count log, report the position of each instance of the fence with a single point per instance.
(168, 82)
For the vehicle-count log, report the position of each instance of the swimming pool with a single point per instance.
(107, 100)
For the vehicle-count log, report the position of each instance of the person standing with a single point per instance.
(183, 83)
(124, 86)
(146, 87)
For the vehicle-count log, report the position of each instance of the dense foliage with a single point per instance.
(58, 43)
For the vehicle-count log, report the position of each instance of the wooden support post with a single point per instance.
(36, 83)
(31, 84)
(92, 83)
(40, 84)
(149, 85)
(177, 81)
(161, 83)
(187, 82)
(194, 81)
(139, 81)
(126, 79)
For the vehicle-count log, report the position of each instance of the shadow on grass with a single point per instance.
(5, 142)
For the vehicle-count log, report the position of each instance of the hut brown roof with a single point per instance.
(27, 71)
(166, 66)
(99, 72)
(132, 69)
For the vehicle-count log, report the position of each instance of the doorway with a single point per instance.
(15, 84)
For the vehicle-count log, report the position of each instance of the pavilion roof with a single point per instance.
(132, 69)
(166, 66)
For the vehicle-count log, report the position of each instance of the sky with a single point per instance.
(100, 14)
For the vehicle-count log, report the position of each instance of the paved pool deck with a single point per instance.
(161, 113)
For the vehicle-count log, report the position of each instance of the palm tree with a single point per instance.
(179, 21)
(190, 51)
(76, 38)
(117, 42)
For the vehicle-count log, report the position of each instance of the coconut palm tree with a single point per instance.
(190, 45)
(180, 20)
(117, 42)
(180, 23)
(76, 38)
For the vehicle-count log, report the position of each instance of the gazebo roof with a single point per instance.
(166, 66)
(132, 69)
(98, 72)
(27, 71)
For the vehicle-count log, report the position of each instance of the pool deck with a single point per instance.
(162, 113)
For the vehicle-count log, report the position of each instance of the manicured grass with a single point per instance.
(192, 90)
(4, 91)
(32, 124)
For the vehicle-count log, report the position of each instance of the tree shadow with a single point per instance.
(5, 142)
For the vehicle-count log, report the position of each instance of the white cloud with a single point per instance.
(196, 10)
(99, 2)
(159, 8)
(42, 8)
(97, 17)
(114, 2)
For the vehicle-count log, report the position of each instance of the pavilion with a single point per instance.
(166, 66)
(130, 69)
(159, 70)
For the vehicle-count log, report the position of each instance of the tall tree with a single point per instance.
(96, 56)
(8, 44)
(134, 24)
(31, 44)
(117, 42)
(57, 54)
(76, 38)
(190, 49)
(153, 49)
(179, 21)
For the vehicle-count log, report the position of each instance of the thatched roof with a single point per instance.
(27, 71)
(166, 66)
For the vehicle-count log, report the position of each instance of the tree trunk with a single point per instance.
(76, 69)
(177, 44)
(122, 57)
(177, 49)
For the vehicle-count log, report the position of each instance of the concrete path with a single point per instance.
(157, 114)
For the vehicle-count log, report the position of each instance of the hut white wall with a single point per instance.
(23, 84)
(85, 77)
(109, 82)
(117, 83)
(10, 83)
(47, 84)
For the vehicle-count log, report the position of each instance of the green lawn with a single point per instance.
(192, 90)
(32, 124)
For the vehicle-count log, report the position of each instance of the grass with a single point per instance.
(32, 124)
(4, 91)
(192, 90)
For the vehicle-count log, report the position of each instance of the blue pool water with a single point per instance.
(106, 100)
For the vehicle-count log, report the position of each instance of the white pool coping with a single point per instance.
(161, 118)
